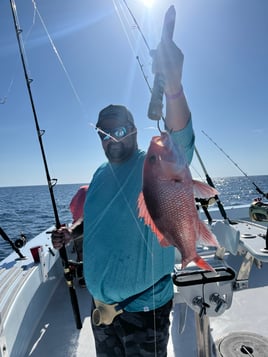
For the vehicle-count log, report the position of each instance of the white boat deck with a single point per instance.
(56, 333)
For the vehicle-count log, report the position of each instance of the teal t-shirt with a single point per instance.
(122, 257)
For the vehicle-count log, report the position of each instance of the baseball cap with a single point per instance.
(115, 111)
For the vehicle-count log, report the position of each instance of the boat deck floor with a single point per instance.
(56, 333)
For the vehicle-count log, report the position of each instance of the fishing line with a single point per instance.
(122, 16)
(236, 165)
(121, 192)
(3, 99)
(141, 66)
(138, 27)
(125, 198)
(128, 25)
(123, 26)
(158, 124)
(146, 243)
(197, 172)
(105, 211)
(138, 59)
(143, 38)
(133, 214)
(59, 57)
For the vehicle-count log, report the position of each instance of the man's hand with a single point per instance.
(60, 237)
(168, 60)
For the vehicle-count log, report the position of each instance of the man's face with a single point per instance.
(119, 139)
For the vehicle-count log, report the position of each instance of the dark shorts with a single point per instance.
(135, 334)
(78, 246)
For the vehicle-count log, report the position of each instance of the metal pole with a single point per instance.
(203, 336)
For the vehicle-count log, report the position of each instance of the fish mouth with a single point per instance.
(162, 140)
(158, 141)
(163, 147)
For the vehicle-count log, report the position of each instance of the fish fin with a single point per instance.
(203, 190)
(143, 213)
(206, 236)
(201, 263)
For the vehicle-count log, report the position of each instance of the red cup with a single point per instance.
(35, 253)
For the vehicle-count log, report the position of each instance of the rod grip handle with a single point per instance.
(155, 110)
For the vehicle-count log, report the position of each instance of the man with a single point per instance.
(124, 265)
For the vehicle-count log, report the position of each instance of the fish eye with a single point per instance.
(152, 159)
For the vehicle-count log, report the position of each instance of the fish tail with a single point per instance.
(201, 263)
(206, 236)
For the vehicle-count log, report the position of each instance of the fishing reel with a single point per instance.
(15, 246)
(258, 210)
(20, 242)
(76, 271)
(76, 268)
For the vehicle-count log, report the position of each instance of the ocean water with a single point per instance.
(29, 210)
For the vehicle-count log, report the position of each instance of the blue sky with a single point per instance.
(93, 63)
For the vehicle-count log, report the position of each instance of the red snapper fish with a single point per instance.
(167, 200)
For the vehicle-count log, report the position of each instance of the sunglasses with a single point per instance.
(116, 133)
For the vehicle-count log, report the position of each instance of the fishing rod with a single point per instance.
(210, 182)
(15, 246)
(137, 24)
(150, 89)
(156, 102)
(157, 94)
(236, 165)
(51, 183)
(157, 90)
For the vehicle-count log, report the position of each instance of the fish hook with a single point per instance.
(166, 128)
(158, 126)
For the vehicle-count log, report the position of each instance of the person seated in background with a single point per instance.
(77, 210)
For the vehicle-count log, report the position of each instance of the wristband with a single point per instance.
(176, 95)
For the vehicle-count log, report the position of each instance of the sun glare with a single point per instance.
(147, 3)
